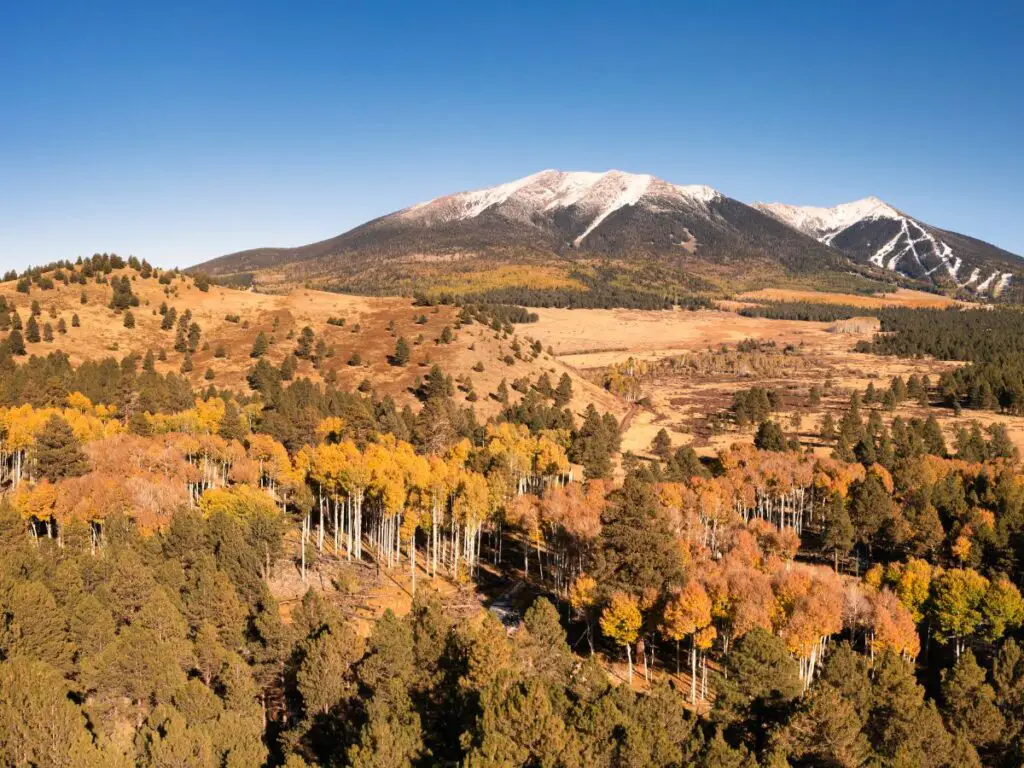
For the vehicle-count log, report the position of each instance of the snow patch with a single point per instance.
(630, 192)
(984, 284)
(826, 223)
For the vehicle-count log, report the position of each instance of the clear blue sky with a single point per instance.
(184, 130)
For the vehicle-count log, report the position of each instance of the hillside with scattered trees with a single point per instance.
(284, 568)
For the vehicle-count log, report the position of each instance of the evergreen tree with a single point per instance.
(502, 392)
(970, 702)
(401, 354)
(661, 446)
(231, 423)
(58, 452)
(304, 348)
(32, 330)
(770, 437)
(288, 366)
(761, 679)
(636, 552)
(563, 392)
(259, 346)
(194, 334)
(837, 534)
(16, 343)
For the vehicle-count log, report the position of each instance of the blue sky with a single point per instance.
(182, 131)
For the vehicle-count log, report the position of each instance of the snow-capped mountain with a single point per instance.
(591, 197)
(875, 232)
(615, 231)
(558, 218)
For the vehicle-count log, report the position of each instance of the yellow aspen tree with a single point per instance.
(686, 614)
(620, 623)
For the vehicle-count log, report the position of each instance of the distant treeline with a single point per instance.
(992, 340)
(606, 297)
(806, 310)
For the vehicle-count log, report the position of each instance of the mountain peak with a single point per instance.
(826, 222)
(873, 231)
(592, 196)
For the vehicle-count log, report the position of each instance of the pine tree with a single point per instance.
(770, 437)
(288, 366)
(16, 343)
(170, 316)
(259, 346)
(563, 392)
(47, 332)
(401, 354)
(661, 446)
(231, 423)
(58, 452)
(304, 347)
(837, 529)
(32, 330)
(194, 334)
(324, 676)
(970, 702)
(129, 319)
(502, 392)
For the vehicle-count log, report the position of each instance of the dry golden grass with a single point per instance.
(589, 340)
(902, 297)
(102, 334)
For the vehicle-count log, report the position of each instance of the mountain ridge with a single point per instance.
(870, 230)
(584, 231)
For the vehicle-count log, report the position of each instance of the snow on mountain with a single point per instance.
(873, 230)
(592, 196)
(553, 218)
(825, 223)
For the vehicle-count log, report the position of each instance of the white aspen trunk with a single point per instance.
(433, 544)
(704, 676)
(412, 562)
(305, 525)
(455, 554)
(693, 671)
